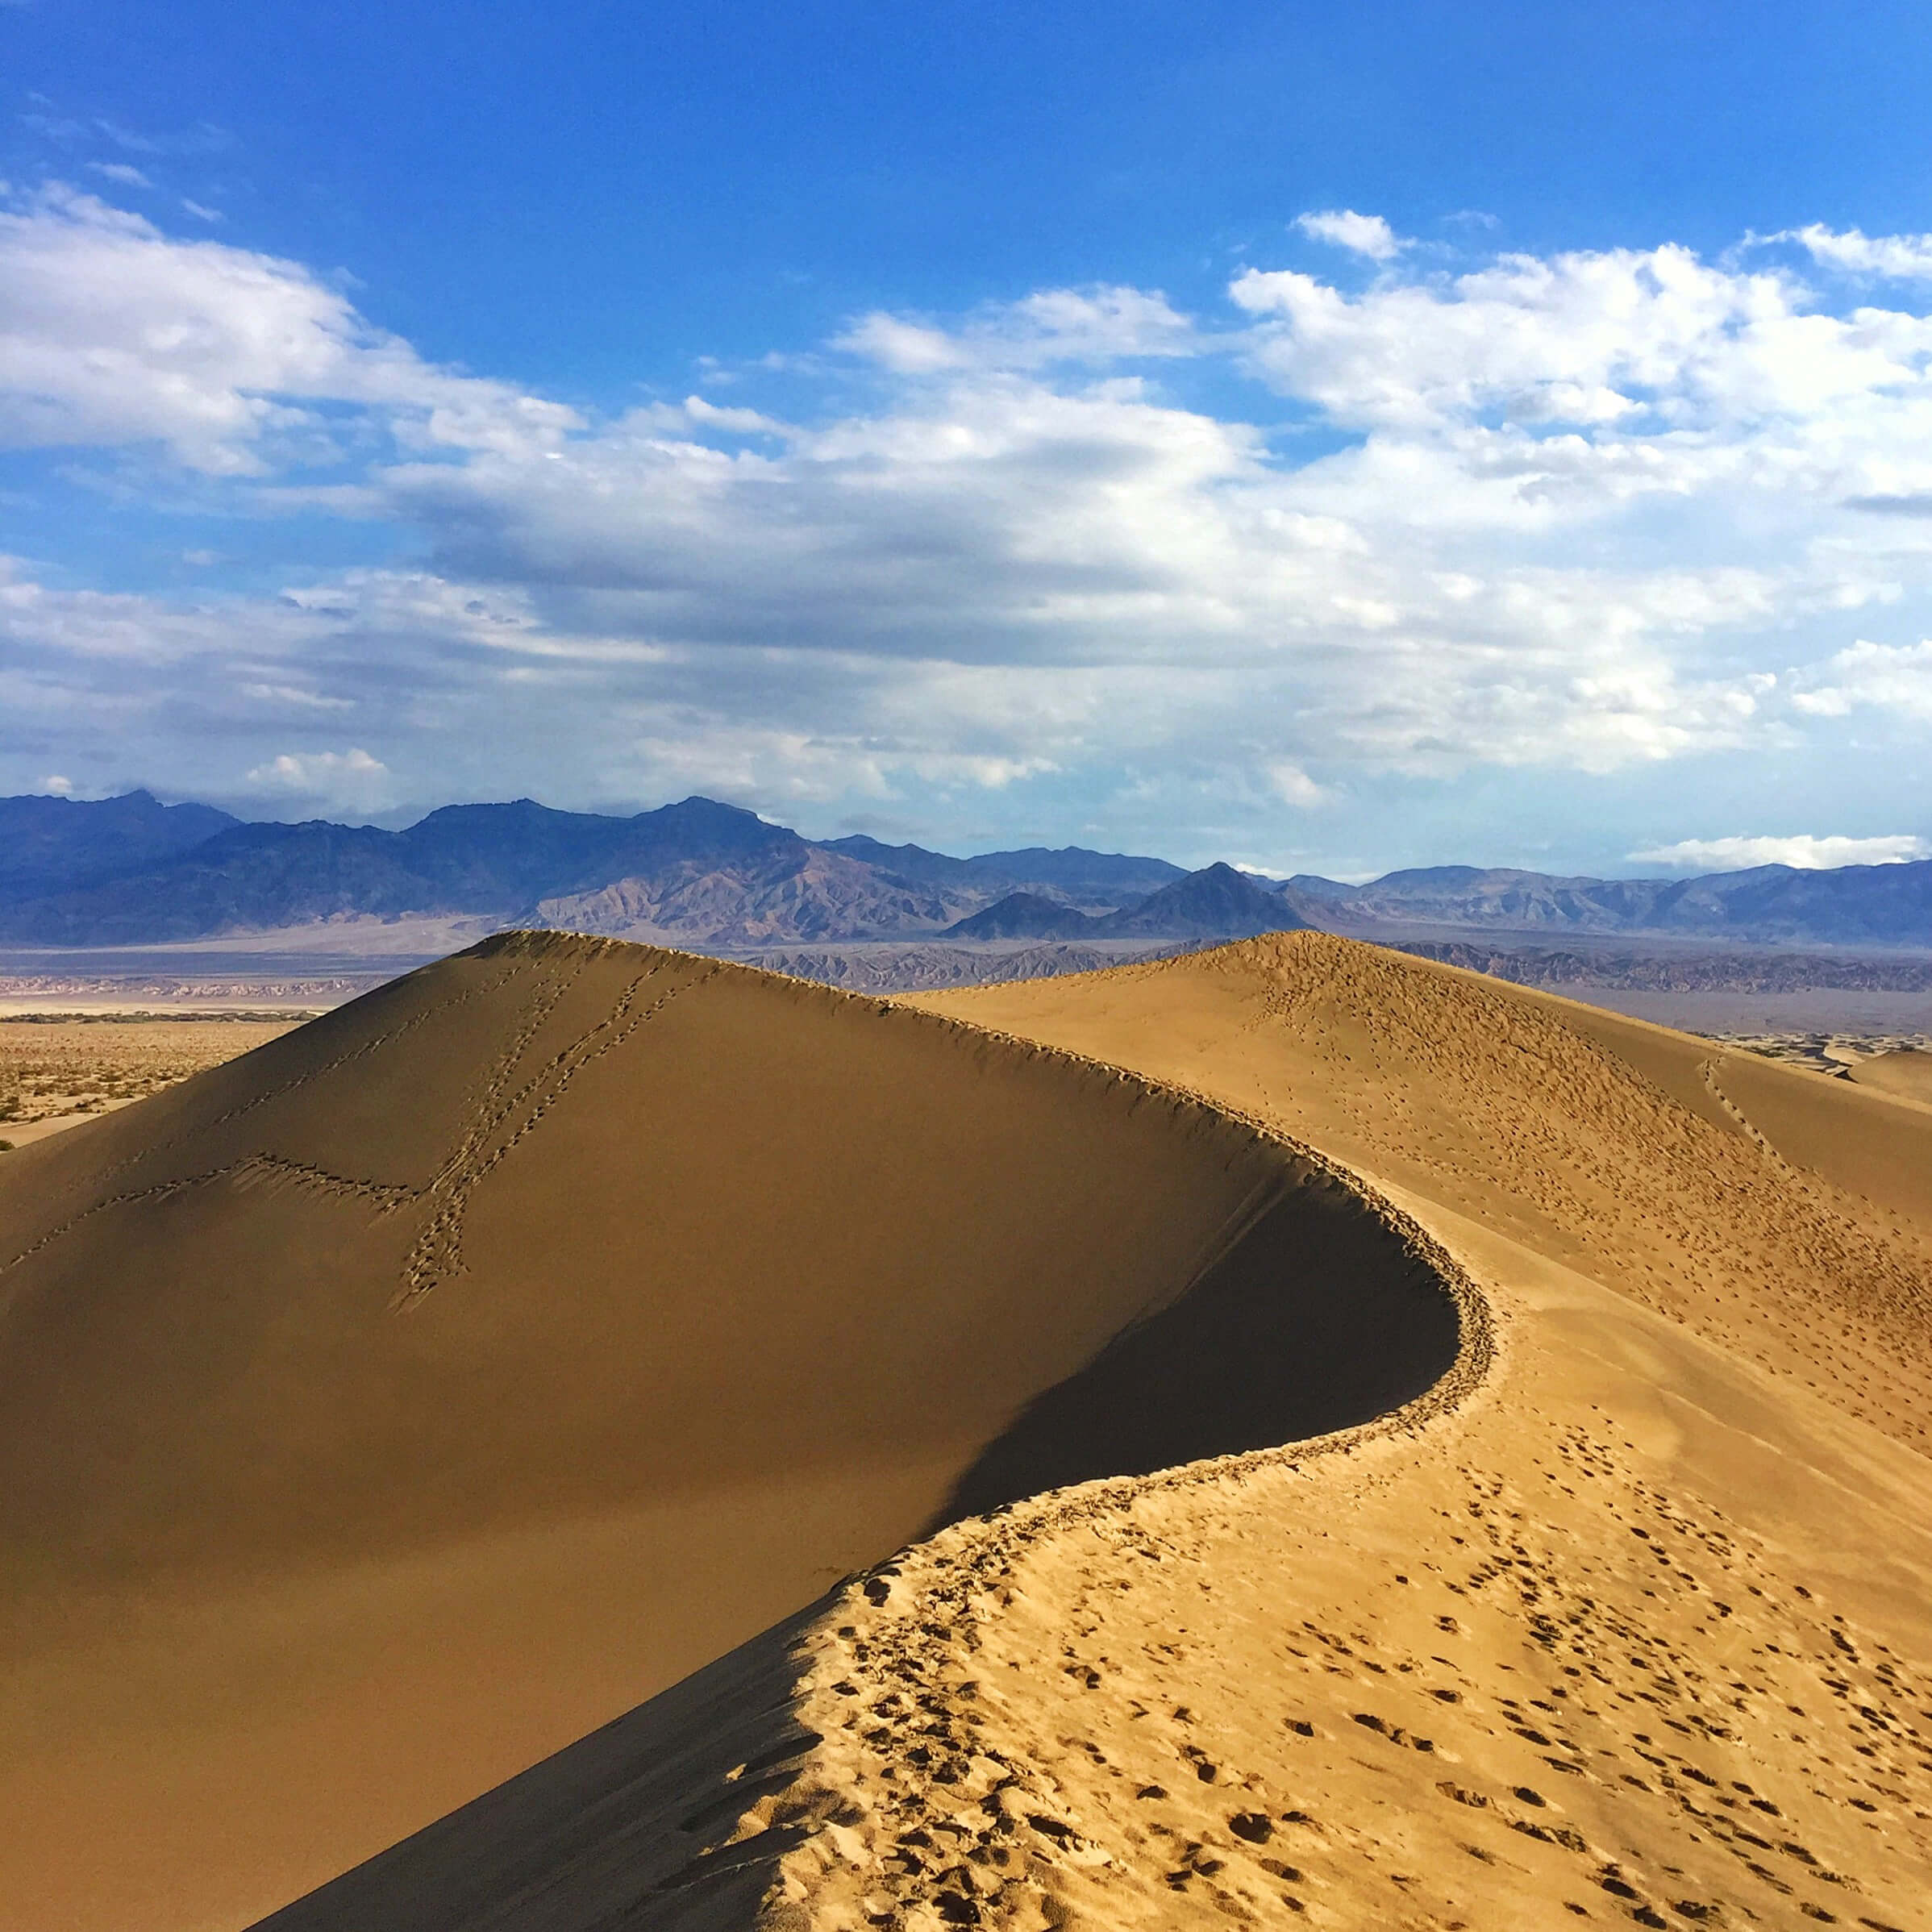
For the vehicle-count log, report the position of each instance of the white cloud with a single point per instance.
(694, 415)
(352, 779)
(111, 333)
(1886, 257)
(1894, 678)
(1055, 326)
(1802, 850)
(121, 171)
(1656, 344)
(744, 421)
(288, 697)
(907, 348)
(1398, 604)
(1360, 234)
(1293, 786)
(292, 770)
(57, 786)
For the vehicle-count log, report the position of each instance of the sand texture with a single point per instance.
(1495, 1435)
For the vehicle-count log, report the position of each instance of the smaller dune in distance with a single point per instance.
(1906, 1073)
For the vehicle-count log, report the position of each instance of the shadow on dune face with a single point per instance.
(557, 1319)
(1316, 1320)
(1299, 1310)
(636, 1825)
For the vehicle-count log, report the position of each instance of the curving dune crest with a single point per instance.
(1635, 1628)
(387, 1408)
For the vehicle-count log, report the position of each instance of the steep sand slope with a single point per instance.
(385, 1408)
(1628, 1621)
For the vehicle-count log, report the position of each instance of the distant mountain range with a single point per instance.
(1852, 905)
(131, 871)
(56, 845)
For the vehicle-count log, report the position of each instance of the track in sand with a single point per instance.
(463, 1367)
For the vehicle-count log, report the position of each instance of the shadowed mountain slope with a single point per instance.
(1023, 915)
(388, 1407)
(1084, 878)
(1216, 902)
(1778, 905)
(797, 893)
(127, 871)
(51, 845)
(475, 859)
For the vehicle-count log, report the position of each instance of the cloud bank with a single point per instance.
(1587, 512)
(1802, 851)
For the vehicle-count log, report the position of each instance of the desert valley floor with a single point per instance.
(1293, 1434)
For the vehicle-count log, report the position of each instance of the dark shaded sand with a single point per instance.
(388, 1407)
(1626, 1619)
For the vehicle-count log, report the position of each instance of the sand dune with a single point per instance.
(389, 1406)
(410, 1397)
(1628, 1618)
(1905, 1074)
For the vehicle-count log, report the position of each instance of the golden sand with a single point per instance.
(399, 1403)
(1905, 1073)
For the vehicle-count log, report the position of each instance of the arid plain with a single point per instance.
(1292, 1435)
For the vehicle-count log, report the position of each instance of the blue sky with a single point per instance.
(1330, 438)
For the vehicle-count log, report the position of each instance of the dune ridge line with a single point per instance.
(1577, 1643)
(525, 1855)
(758, 1281)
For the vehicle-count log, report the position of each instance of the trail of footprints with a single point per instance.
(497, 1121)
(1707, 1072)
(499, 1124)
(1611, 1775)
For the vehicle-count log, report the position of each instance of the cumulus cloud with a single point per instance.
(112, 334)
(1055, 326)
(352, 779)
(1893, 678)
(1656, 343)
(1293, 786)
(1801, 850)
(294, 771)
(1360, 234)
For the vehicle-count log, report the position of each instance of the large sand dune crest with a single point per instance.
(1636, 1629)
(388, 1407)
